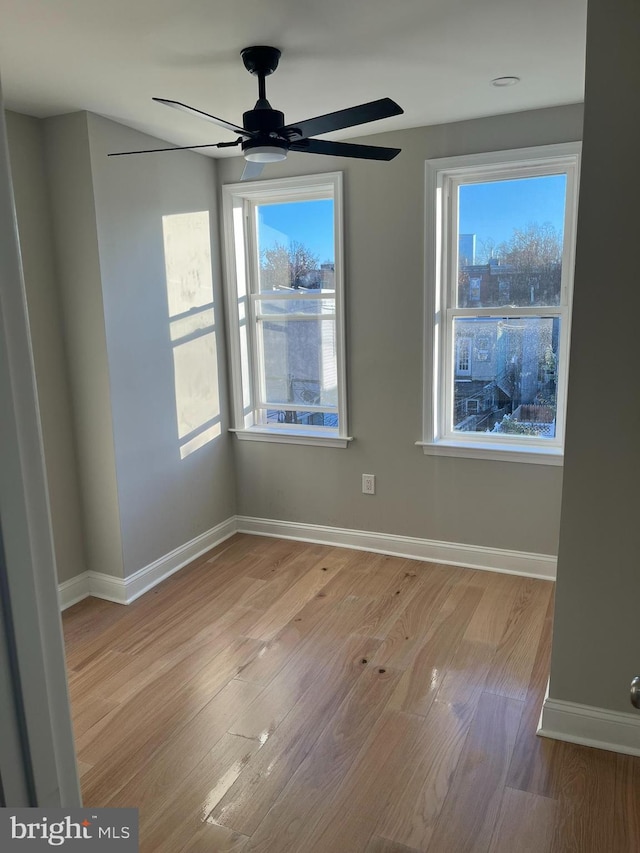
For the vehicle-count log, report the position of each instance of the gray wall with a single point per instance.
(115, 431)
(596, 646)
(164, 500)
(78, 266)
(496, 504)
(26, 145)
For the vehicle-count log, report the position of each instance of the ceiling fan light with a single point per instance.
(265, 154)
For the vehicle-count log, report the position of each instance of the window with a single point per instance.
(501, 235)
(285, 307)
(463, 359)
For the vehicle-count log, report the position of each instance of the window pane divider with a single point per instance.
(269, 295)
(296, 407)
(279, 318)
(504, 312)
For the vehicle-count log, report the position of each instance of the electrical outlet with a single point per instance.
(368, 484)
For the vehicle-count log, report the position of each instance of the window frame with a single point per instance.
(245, 372)
(443, 177)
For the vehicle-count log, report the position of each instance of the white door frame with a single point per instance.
(37, 754)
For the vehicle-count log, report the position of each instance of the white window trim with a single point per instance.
(440, 175)
(284, 189)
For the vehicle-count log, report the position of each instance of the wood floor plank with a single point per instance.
(211, 838)
(294, 599)
(153, 786)
(365, 575)
(248, 801)
(410, 816)
(490, 619)
(374, 574)
(351, 813)
(272, 657)
(115, 676)
(536, 761)
(82, 621)
(313, 643)
(512, 665)
(175, 594)
(268, 561)
(591, 814)
(383, 845)
(423, 678)
(168, 630)
(627, 797)
(303, 800)
(83, 768)
(88, 712)
(193, 654)
(384, 608)
(137, 729)
(195, 796)
(281, 577)
(469, 813)
(407, 634)
(463, 682)
(525, 823)
(322, 623)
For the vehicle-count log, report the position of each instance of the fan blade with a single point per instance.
(177, 148)
(251, 170)
(193, 111)
(344, 149)
(374, 110)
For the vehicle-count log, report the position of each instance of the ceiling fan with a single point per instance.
(265, 138)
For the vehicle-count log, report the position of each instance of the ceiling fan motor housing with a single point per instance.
(263, 120)
(268, 145)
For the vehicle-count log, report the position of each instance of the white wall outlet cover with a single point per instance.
(368, 484)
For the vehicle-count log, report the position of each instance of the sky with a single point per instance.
(489, 210)
(308, 222)
(492, 210)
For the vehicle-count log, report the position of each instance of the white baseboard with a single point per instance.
(596, 727)
(74, 590)
(146, 578)
(470, 556)
(126, 590)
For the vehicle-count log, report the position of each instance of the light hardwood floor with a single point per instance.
(294, 698)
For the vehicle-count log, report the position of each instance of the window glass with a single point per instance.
(510, 241)
(299, 362)
(296, 245)
(505, 381)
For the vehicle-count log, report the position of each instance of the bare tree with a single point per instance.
(535, 246)
(487, 249)
(533, 256)
(288, 266)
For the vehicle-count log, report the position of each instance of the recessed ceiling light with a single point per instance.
(505, 81)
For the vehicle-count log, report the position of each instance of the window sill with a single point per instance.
(293, 437)
(498, 452)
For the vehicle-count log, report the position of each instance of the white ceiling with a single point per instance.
(436, 58)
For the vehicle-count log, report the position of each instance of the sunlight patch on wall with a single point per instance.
(187, 252)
